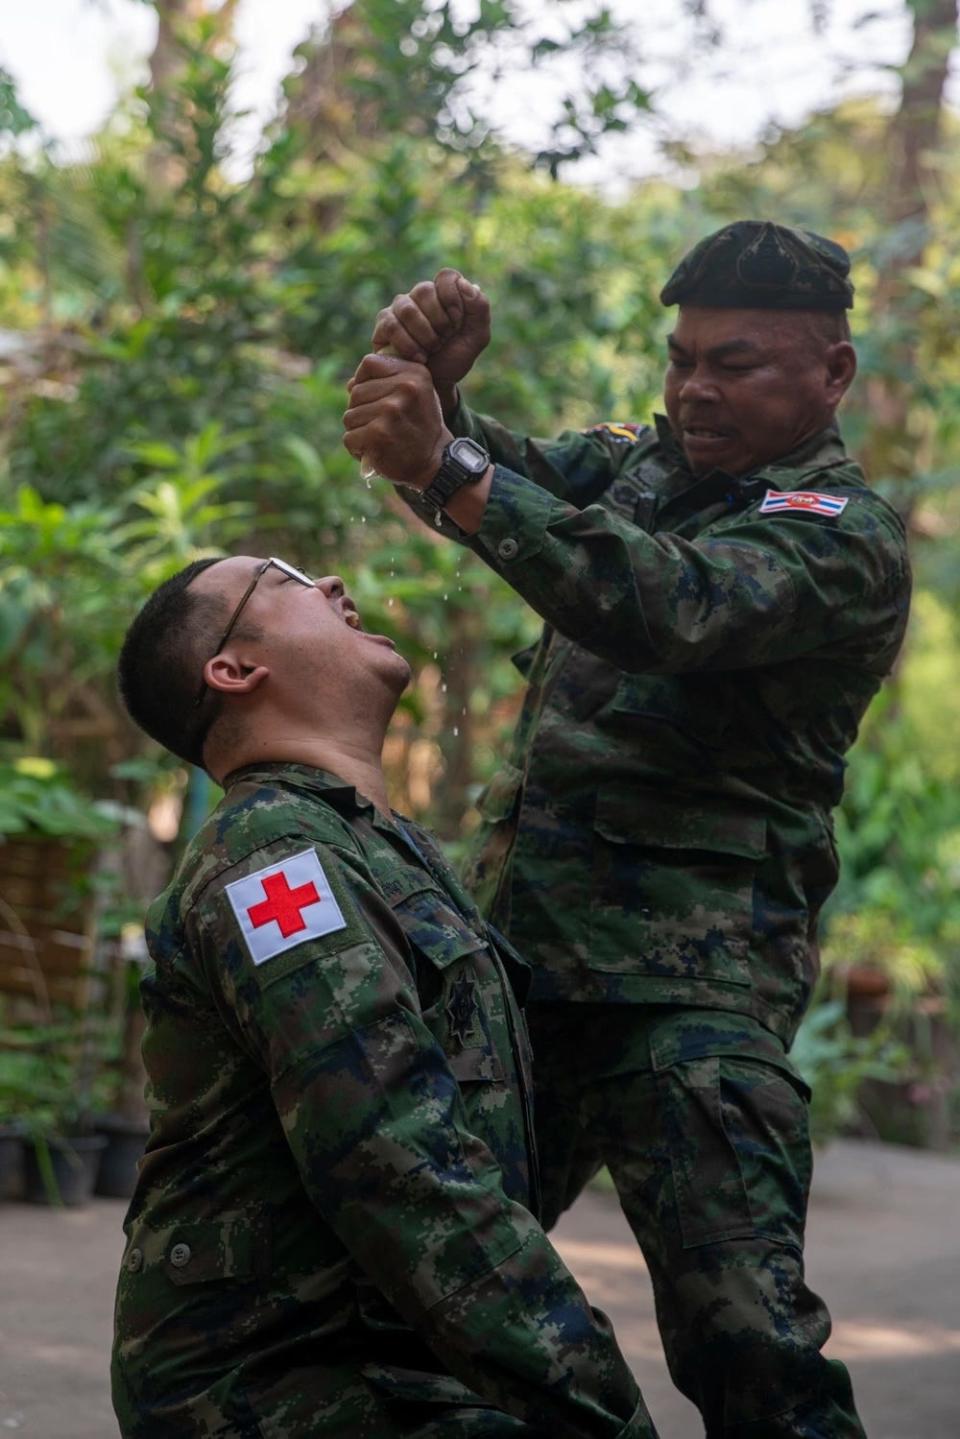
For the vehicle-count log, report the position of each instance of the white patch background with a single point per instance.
(323, 916)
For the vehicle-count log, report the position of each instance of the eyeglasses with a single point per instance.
(291, 573)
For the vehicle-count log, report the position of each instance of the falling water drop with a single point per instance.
(438, 519)
(456, 730)
(443, 687)
(390, 603)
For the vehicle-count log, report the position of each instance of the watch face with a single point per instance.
(470, 455)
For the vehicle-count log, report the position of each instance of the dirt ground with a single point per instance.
(883, 1248)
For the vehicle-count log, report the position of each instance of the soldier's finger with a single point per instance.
(475, 304)
(353, 441)
(359, 416)
(448, 286)
(375, 392)
(381, 367)
(418, 324)
(443, 308)
(389, 331)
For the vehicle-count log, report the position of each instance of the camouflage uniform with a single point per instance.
(659, 845)
(328, 1235)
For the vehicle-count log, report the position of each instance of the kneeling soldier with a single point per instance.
(331, 1232)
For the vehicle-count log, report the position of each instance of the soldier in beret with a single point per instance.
(331, 1234)
(722, 596)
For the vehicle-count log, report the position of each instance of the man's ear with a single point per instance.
(841, 368)
(227, 674)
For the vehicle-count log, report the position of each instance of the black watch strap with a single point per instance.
(464, 463)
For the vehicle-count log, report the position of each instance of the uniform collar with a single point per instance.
(302, 776)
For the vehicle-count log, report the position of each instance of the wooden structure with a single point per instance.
(47, 927)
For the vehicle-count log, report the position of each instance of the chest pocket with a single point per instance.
(458, 983)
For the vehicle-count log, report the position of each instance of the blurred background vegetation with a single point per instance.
(176, 331)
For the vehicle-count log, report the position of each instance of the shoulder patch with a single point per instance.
(623, 430)
(782, 502)
(283, 905)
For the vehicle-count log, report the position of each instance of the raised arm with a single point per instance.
(445, 325)
(757, 586)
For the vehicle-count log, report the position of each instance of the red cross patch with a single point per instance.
(283, 905)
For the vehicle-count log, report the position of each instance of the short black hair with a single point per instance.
(161, 662)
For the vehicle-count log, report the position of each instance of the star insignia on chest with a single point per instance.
(461, 1010)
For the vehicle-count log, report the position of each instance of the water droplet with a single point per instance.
(456, 730)
(445, 595)
(443, 687)
(438, 519)
(369, 482)
(434, 654)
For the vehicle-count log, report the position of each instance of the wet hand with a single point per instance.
(442, 323)
(394, 421)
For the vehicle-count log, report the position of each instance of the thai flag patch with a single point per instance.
(283, 905)
(780, 502)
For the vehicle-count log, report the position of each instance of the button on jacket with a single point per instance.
(661, 832)
(330, 1228)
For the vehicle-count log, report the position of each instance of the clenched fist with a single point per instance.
(442, 323)
(394, 420)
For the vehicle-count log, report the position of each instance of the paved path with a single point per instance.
(884, 1247)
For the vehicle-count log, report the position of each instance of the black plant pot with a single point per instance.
(11, 1161)
(74, 1163)
(125, 1139)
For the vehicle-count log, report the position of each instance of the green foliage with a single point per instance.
(37, 799)
(184, 334)
(836, 1063)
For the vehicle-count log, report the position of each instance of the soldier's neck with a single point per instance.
(354, 759)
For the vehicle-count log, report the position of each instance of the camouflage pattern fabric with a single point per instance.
(329, 1233)
(702, 1122)
(755, 264)
(659, 842)
(661, 829)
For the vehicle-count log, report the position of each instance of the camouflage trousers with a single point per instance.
(307, 1403)
(702, 1123)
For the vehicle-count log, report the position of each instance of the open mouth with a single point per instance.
(705, 432)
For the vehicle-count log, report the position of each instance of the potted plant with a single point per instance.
(50, 1088)
(125, 1125)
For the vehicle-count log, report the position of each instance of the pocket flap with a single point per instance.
(657, 821)
(496, 801)
(433, 926)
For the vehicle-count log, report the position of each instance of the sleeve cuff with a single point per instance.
(514, 522)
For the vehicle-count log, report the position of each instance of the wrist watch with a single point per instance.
(464, 463)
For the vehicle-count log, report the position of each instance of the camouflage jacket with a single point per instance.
(661, 832)
(334, 1189)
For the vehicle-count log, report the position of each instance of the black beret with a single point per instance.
(755, 264)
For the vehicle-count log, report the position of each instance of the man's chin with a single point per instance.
(704, 454)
